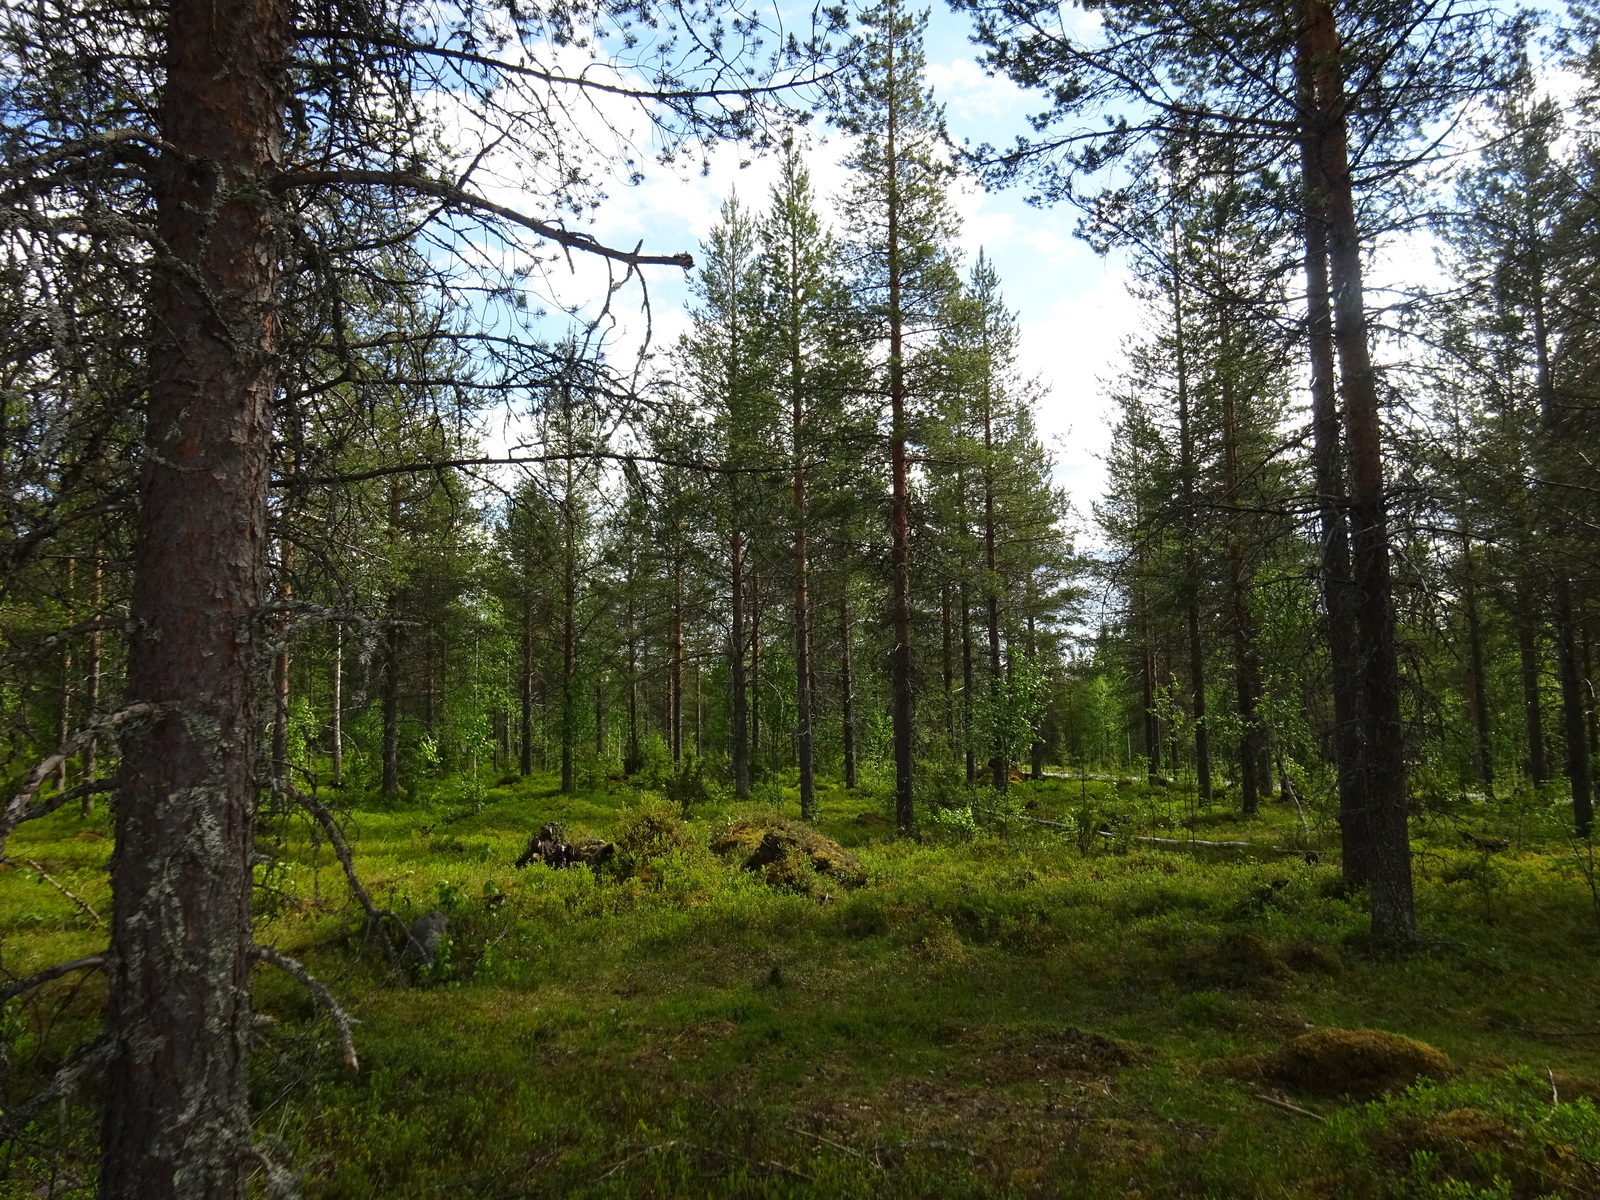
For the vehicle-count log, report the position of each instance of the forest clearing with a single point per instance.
(718, 598)
(1025, 1009)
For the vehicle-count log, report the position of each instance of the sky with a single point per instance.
(1072, 304)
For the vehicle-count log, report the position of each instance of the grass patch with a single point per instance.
(1020, 1011)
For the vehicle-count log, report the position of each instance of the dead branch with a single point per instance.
(342, 1021)
(17, 811)
(90, 1058)
(78, 900)
(17, 986)
(1287, 1107)
(461, 199)
(43, 808)
(341, 848)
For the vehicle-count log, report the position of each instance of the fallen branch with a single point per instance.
(1175, 843)
(1287, 1107)
(90, 1058)
(17, 986)
(342, 1020)
(18, 810)
(78, 900)
(341, 849)
(817, 1137)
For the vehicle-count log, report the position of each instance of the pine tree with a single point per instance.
(898, 223)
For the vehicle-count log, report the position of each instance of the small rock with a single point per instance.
(426, 933)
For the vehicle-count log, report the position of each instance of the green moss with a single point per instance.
(1016, 1014)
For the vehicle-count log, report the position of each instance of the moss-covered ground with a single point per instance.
(1034, 1003)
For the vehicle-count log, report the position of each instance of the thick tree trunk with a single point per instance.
(176, 1114)
(847, 686)
(740, 750)
(1382, 761)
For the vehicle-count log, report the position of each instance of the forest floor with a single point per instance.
(1026, 1010)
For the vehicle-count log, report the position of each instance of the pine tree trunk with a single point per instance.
(675, 678)
(847, 687)
(968, 682)
(740, 750)
(1147, 680)
(903, 706)
(91, 764)
(1035, 744)
(1191, 583)
(569, 649)
(64, 710)
(1382, 761)
(999, 768)
(280, 675)
(1573, 714)
(1477, 685)
(1532, 707)
(525, 765)
(802, 620)
(947, 635)
(336, 708)
(755, 674)
(175, 1099)
(1247, 674)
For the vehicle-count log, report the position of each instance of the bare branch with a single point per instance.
(78, 900)
(17, 986)
(17, 811)
(462, 199)
(342, 1020)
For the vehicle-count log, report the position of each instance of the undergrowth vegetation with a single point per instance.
(1027, 999)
